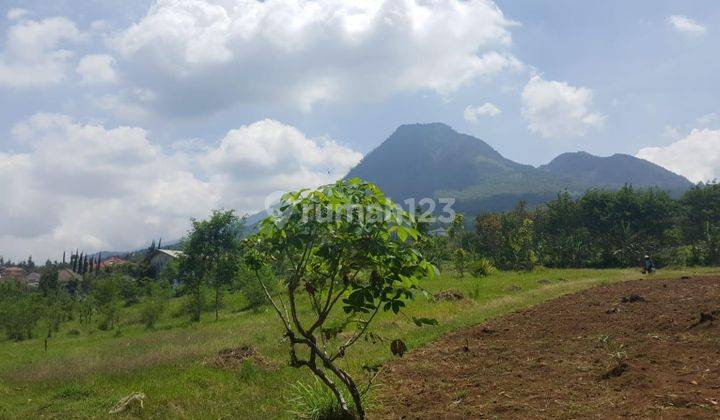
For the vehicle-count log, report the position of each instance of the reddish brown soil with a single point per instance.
(554, 360)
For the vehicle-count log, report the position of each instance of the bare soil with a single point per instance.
(635, 349)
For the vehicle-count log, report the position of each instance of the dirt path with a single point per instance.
(583, 355)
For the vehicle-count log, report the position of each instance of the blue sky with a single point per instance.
(152, 112)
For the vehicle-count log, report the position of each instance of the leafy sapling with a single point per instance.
(347, 252)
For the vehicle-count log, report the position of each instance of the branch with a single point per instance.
(272, 301)
(351, 341)
(327, 310)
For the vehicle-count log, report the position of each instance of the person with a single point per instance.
(648, 265)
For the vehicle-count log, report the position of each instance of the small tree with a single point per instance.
(343, 243)
(107, 298)
(460, 259)
(154, 305)
(210, 250)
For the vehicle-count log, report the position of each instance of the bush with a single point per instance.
(482, 267)
(154, 305)
(110, 316)
(151, 311)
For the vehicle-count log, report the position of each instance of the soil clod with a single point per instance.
(615, 372)
(633, 298)
(449, 295)
(398, 348)
(706, 318)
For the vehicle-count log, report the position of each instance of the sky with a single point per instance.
(121, 121)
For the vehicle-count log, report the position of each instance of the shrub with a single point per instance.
(154, 305)
(151, 311)
(482, 267)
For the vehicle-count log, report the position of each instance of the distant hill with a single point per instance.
(433, 160)
(613, 172)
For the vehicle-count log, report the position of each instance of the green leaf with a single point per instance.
(401, 232)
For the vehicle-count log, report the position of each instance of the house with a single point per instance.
(438, 232)
(163, 257)
(33, 279)
(11, 273)
(66, 275)
(111, 262)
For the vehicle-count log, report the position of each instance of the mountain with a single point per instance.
(433, 160)
(614, 171)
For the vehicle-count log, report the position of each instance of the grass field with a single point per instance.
(85, 374)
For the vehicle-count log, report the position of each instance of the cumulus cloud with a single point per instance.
(269, 156)
(16, 13)
(472, 113)
(686, 25)
(556, 110)
(88, 186)
(32, 56)
(97, 68)
(697, 156)
(202, 55)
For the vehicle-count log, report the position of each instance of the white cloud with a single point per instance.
(556, 109)
(307, 52)
(16, 13)
(97, 188)
(472, 113)
(697, 156)
(32, 56)
(269, 156)
(708, 118)
(686, 25)
(97, 68)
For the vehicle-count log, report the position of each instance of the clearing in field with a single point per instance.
(640, 348)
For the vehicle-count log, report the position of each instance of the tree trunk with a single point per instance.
(354, 392)
(217, 302)
(198, 305)
(336, 392)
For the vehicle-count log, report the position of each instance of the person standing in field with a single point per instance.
(648, 265)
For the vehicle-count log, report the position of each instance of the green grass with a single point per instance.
(85, 375)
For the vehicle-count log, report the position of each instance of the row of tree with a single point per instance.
(603, 229)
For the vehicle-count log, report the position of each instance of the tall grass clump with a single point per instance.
(315, 401)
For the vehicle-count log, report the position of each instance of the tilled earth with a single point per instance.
(635, 349)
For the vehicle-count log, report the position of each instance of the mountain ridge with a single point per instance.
(434, 160)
